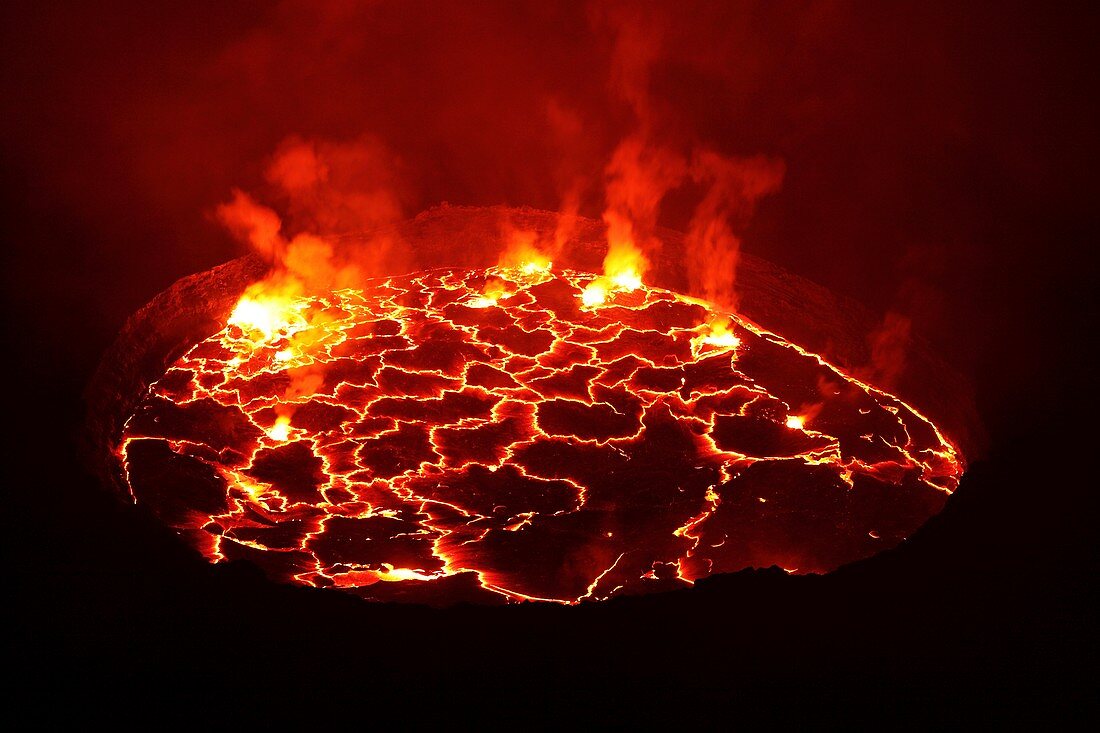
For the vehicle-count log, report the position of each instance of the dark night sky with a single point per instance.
(940, 158)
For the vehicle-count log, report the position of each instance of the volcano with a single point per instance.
(499, 434)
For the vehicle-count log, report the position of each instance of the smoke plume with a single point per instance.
(326, 191)
(649, 163)
(734, 185)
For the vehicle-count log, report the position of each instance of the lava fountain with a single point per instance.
(494, 434)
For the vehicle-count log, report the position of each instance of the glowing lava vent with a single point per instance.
(497, 435)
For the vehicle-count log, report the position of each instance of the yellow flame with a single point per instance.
(535, 266)
(494, 290)
(624, 265)
(594, 293)
(796, 422)
(523, 255)
(254, 491)
(253, 315)
(721, 335)
(627, 278)
(281, 430)
(267, 311)
(716, 333)
(389, 573)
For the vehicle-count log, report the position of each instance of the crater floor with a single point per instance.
(486, 436)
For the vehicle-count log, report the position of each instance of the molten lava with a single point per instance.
(523, 433)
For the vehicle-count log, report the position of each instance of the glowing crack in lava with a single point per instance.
(502, 435)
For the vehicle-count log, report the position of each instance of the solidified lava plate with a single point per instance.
(488, 435)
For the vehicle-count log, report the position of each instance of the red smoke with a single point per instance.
(337, 188)
(653, 160)
(326, 190)
(903, 129)
(713, 248)
(888, 344)
(638, 177)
